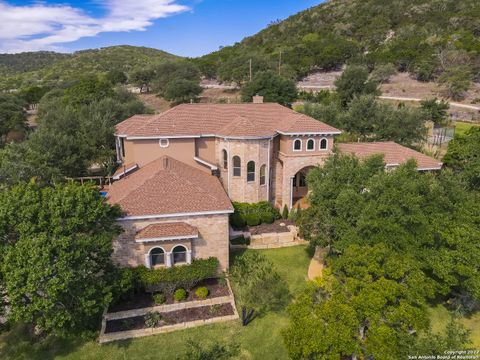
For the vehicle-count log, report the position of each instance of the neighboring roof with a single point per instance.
(394, 154)
(167, 231)
(225, 120)
(167, 186)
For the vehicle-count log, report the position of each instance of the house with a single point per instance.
(181, 169)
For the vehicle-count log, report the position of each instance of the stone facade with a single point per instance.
(213, 240)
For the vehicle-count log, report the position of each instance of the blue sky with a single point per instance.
(182, 27)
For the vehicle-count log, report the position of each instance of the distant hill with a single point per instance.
(27, 68)
(414, 35)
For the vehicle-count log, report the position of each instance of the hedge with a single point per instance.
(253, 214)
(167, 280)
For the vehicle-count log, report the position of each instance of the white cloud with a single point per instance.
(47, 27)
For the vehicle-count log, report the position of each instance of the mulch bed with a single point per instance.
(171, 318)
(144, 300)
(271, 228)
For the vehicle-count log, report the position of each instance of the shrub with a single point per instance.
(153, 318)
(180, 294)
(285, 212)
(159, 299)
(214, 309)
(166, 280)
(201, 292)
(252, 219)
(237, 220)
(267, 217)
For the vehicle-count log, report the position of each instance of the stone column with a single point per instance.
(168, 259)
(189, 256)
(147, 261)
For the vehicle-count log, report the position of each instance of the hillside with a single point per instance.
(11, 64)
(63, 67)
(421, 36)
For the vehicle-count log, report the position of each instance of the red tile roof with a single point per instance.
(164, 231)
(229, 120)
(394, 154)
(168, 186)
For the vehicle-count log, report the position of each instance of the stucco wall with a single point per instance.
(206, 149)
(213, 240)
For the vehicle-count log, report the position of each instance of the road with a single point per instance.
(455, 104)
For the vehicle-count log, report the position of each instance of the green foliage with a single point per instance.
(435, 110)
(142, 78)
(116, 77)
(167, 280)
(258, 287)
(217, 351)
(237, 220)
(272, 87)
(159, 298)
(182, 91)
(237, 67)
(12, 115)
(252, 219)
(124, 283)
(267, 217)
(153, 319)
(353, 82)
(33, 94)
(56, 255)
(382, 73)
(28, 61)
(285, 212)
(456, 81)
(462, 156)
(180, 295)
(201, 292)
(87, 90)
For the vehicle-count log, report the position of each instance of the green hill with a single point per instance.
(28, 61)
(421, 36)
(64, 67)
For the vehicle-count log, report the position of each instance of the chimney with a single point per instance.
(258, 99)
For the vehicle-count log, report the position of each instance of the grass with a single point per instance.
(440, 316)
(462, 127)
(260, 339)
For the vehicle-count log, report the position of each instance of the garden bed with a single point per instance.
(171, 318)
(216, 288)
(271, 228)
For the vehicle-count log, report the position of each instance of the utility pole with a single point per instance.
(250, 66)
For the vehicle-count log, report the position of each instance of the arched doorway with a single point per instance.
(300, 188)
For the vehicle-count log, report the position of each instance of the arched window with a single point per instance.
(297, 145)
(225, 159)
(323, 144)
(262, 174)
(179, 254)
(310, 145)
(157, 257)
(251, 171)
(237, 166)
(164, 143)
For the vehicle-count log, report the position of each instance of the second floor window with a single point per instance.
(310, 145)
(262, 175)
(297, 145)
(323, 144)
(225, 159)
(251, 171)
(237, 166)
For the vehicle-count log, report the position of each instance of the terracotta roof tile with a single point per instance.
(166, 231)
(394, 154)
(168, 186)
(231, 120)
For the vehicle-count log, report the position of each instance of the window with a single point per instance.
(179, 254)
(157, 257)
(237, 166)
(302, 180)
(251, 171)
(310, 145)
(297, 145)
(323, 144)
(263, 169)
(164, 143)
(225, 159)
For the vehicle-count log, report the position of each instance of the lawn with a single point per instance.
(440, 317)
(260, 339)
(462, 127)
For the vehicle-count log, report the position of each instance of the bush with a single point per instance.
(268, 218)
(252, 219)
(201, 292)
(159, 299)
(237, 221)
(152, 319)
(180, 295)
(166, 280)
(285, 212)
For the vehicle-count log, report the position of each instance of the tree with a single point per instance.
(87, 90)
(56, 255)
(462, 156)
(456, 81)
(33, 94)
(382, 73)
(354, 81)
(237, 68)
(182, 91)
(435, 110)
(12, 116)
(272, 87)
(116, 77)
(258, 287)
(142, 78)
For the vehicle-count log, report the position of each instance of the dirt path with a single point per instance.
(315, 268)
(455, 104)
